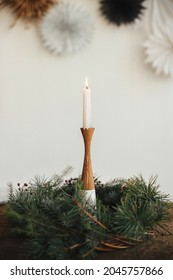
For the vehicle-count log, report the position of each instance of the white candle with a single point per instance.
(86, 106)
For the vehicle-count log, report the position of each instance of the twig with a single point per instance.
(114, 246)
(92, 217)
(76, 246)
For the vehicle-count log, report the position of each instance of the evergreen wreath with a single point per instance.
(59, 224)
(28, 9)
(121, 11)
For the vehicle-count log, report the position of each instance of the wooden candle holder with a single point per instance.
(87, 173)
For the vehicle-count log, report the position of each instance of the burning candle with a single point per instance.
(87, 132)
(86, 105)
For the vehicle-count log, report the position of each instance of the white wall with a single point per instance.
(41, 106)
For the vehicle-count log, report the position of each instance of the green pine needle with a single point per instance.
(59, 224)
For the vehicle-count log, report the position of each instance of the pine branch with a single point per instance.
(61, 225)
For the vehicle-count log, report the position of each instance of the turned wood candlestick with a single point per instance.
(87, 173)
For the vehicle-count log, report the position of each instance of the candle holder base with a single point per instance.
(87, 174)
(90, 197)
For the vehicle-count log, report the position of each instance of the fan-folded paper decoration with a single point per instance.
(158, 15)
(159, 27)
(159, 51)
(28, 9)
(121, 11)
(66, 28)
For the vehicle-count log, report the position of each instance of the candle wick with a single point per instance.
(86, 87)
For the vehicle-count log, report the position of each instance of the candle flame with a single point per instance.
(86, 83)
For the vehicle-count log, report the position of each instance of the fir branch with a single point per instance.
(91, 217)
(61, 225)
